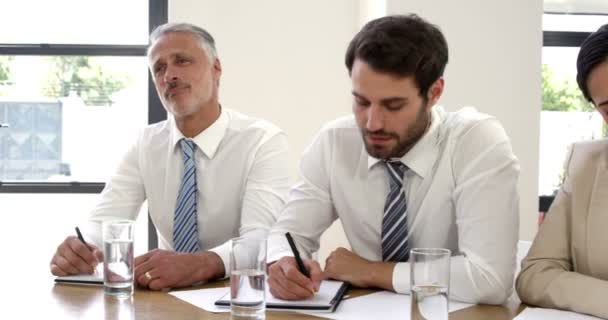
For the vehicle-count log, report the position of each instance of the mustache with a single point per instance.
(381, 133)
(174, 84)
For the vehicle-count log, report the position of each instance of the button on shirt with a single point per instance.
(461, 191)
(242, 179)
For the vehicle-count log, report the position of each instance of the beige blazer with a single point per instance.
(567, 265)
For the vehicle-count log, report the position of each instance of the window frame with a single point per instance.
(564, 38)
(157, 15)
(571, 39)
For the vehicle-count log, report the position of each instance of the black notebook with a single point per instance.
(326, 300)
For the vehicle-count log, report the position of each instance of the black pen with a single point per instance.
(296, 254)
(80, 237)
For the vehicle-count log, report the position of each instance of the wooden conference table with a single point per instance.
(45, 300)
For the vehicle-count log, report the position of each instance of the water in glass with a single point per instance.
(118, 267)
(247, 294)
(429, 302)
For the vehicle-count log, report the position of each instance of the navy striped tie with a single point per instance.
(394, 222)
(185, 228)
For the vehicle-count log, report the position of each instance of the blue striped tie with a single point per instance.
(394, 222)
(185, 228)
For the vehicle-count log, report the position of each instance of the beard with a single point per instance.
(182, 110)
(404, 141)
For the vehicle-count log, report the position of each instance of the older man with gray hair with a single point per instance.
(208, 173)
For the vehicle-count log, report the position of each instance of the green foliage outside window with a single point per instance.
(561, 94)
(5, 71)
(84, 77)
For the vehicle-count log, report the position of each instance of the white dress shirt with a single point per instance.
(461, 193)
(242, 179)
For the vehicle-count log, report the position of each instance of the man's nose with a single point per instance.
(375, 118)
(170, 75)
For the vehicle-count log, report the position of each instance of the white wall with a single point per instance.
(495, 57)
(283, 61)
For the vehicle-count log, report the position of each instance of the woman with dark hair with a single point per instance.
(567, 265)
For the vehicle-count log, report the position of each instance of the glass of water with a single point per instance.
(429, 283)
(118, 257)
(248, 278)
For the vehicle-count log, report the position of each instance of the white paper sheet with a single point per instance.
(203, 298)
(206, 298)
(383, 305)
(328, 290)
(553, 314)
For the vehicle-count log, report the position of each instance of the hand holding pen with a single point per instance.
(81, 238)
(296, 255)
(294, 278)
(75, 256)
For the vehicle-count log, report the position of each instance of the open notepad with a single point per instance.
(90, 279)
(326, 300)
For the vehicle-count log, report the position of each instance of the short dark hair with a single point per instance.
(402, 45)
(594, 51)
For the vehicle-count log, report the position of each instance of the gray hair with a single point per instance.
(206, 40)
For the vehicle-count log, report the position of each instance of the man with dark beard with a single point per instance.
(402, 173)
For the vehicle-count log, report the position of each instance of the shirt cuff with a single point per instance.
(278, 247)
(223, 251)
(401, 278)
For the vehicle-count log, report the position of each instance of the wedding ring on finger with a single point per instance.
(148, 275)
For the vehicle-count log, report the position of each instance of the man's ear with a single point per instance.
(217, 70)
(435, 91)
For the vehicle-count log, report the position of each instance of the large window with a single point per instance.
(566, 116)
(74, 91)
(69, 118)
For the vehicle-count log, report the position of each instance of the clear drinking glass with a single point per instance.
(429, 283)
(248, 278)
(118, 257)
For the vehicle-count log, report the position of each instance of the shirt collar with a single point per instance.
(421, 157)
(208, 140)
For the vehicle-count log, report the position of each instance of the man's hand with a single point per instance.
(286, 281)
(74, 257)
(162, 269)
(344, 265)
